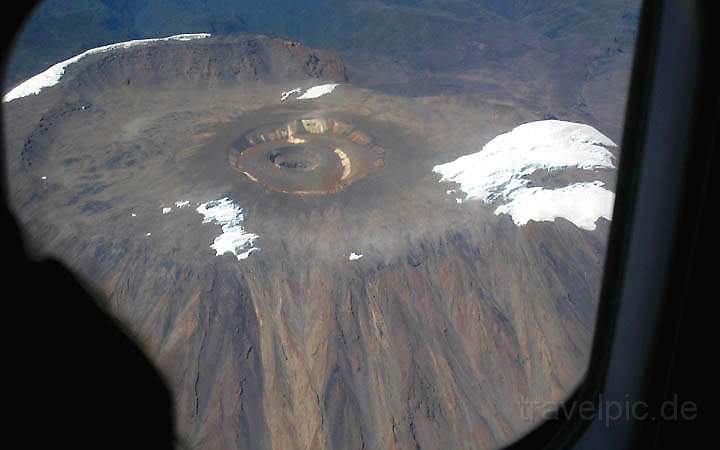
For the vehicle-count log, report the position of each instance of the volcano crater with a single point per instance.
(306, 156)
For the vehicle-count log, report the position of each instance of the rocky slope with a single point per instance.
(450, 321)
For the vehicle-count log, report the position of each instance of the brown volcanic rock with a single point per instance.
(453, 317)
(239, 62)
(203, 64)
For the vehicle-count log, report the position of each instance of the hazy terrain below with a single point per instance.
(559, 55)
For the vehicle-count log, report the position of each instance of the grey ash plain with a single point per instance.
(452, 317)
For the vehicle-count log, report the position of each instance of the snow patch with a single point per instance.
(499, 172)
(500, 167)
(52, 75)
(318, 91)
(230, 217)
(580, 203)
(285, 94)
(182, 204)
(355, 256)
(166, 210)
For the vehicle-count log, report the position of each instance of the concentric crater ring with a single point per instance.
(306, 156)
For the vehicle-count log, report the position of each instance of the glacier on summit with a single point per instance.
(499, 171)
(52, 76)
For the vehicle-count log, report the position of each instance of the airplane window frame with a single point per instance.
(672, 105)
(668, 70)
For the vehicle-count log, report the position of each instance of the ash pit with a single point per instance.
(306, 156)
(296, 157)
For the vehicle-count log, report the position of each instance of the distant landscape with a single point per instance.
(566, 54)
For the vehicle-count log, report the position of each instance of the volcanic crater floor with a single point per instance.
(306, 156)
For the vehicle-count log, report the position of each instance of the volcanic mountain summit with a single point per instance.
(310, 263)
